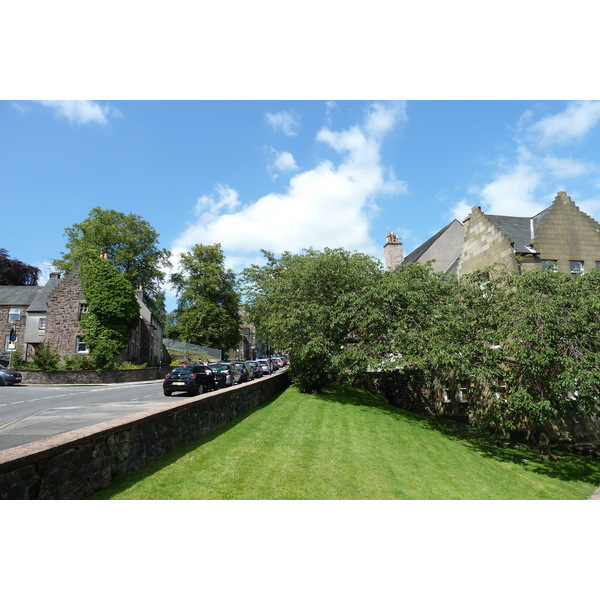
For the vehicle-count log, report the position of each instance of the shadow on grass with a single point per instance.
(574, 467)
(127, 480)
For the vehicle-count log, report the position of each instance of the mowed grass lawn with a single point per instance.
(348, 444)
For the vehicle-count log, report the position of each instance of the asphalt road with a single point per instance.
(30, 413)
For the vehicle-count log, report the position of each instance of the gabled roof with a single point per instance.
(418, 252)
(40, 302)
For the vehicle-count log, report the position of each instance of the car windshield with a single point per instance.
(182, 370)
(219, 368)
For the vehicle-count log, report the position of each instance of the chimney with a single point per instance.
(54, 275)
(392, 251)
(139, 292)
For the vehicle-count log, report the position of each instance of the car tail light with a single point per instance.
(168, 376)
(193, 376)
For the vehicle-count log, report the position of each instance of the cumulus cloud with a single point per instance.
(284, 121)
(571, 124)
(330, 205)
(81, 112)
(283, 162)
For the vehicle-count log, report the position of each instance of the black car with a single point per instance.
(193, 379)
(247, 372)
(9, 376)
(226, 374)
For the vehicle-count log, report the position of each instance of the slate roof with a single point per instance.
(18, 295)
(40, 302)
(521, 230)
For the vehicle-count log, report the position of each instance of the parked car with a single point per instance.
(279, 362)
(226, 374)
(193, 379)
(265, 366)
(253, 364)
(9, 376)
(247, 372)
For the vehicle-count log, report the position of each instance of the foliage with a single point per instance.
(313, 303)
(171, 328)
(15, 272)
(78, 362)
(208, 302)
(45, 358)
(130, 244)
(113, 311)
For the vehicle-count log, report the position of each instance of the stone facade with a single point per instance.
(392, 251)
(562, 234)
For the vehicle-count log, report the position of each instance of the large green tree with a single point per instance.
(129, 242)
(208, 301)
(313, 303)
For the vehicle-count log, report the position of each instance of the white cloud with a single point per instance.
(285, 121)
(330, 205)
(81, 111)
(527, 184)
(571, 124)
(283, 162)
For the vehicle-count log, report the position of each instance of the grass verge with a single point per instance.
(348, 444)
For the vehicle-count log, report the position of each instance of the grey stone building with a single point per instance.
(51, 314)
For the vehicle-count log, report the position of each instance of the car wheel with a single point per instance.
(167, 392)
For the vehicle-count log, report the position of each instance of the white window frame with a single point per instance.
(79, 343)
(463, 394)
(549, 265)
(576, 270)
(446, 396)
(14, 315)
(42, 324)
(83, 308)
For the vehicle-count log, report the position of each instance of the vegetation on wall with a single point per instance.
(113, 310)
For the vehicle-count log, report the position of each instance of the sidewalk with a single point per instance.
(595, 495)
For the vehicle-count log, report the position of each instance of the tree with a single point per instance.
(129, 242)
(15, 272)
(548, 332)
(208, 302)
(313, 303)
(113, 311)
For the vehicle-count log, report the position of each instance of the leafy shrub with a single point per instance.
(45, 358)
(78, 362)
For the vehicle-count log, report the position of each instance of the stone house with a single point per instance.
(51, 313)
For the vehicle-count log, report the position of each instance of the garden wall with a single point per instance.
(73, 465)
(93, 377)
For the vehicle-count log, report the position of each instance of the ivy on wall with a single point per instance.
(113, 311)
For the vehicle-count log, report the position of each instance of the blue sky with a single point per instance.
(286, 175)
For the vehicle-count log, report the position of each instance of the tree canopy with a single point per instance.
(208, 301)
(129, 242)
(15, 272)
(527, 345)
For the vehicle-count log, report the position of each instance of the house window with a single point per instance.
(83, 308)
(445, 393)
(549, 265)
(500, 390)
(42, 324)
(463, 395)
(576, 267)
(598, 264)
(14, 314)
(80, 346)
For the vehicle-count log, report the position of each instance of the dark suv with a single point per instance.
(193, 379)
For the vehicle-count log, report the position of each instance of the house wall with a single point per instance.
(568, 234)
(484, 245)
(62, 325)
(5, 326)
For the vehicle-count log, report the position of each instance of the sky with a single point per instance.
(286, 175)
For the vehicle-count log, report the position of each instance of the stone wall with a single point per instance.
(73, 465)
(92, 377)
